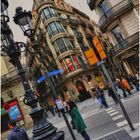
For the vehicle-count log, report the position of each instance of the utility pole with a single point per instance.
(97, 56)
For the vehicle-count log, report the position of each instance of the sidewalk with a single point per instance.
(88, 108)
(122, 134)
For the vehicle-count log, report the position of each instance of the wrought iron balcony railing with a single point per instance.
(114, 12)
(73, 21)
(63, 20)
(132, 40)
(79, 36)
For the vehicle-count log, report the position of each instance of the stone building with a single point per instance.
(12, 90)
(119, 19)
(64, 34)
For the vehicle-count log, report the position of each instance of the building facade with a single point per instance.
(67, 34)
(12, 92)
(119, 20)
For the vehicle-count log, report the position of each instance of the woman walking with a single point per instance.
(77, 120)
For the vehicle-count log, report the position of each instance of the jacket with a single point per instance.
(125, 84)
(77, 120)
(18, 133)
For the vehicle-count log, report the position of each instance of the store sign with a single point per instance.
(10, 111)
(91, 56)
(99, 47)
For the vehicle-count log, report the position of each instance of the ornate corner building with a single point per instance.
(119, 19)
(66, 34)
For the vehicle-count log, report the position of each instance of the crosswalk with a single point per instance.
(117, 117)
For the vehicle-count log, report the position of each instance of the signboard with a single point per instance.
(12, 111)
(99, 47)
(55, 72)
(52, 73)
(92, 58)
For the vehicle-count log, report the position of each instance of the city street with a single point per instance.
(102, 121)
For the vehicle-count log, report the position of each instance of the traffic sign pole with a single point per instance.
(118, 98)
(63, 114)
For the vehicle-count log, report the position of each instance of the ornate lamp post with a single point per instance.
(42, 130)
(23, 19)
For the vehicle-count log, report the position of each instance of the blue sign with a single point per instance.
(52, 73)
(41, 79)
(55, 72)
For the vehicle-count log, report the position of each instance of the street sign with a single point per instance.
(55, 72)
(41, 79)
(52, 73)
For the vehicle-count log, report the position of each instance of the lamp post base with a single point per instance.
(44, 130)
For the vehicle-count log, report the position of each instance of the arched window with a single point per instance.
(47, 13)
(54, 28)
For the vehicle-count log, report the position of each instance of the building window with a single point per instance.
(104, 8)
(70, 63)
(54, 28)
(47, 13)
(62, 45)
(118, 34)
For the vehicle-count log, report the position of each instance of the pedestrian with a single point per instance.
(126, 85)
(134, 81)
(95, 95)
(112, 94)
(118, 85)
(16, 132)
(77, 120)
(101, 96)
(58, 111)
(51, 108)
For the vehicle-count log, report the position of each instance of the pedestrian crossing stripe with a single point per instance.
(117, 117)
(110, 111)
(122, 123)
(114, 113)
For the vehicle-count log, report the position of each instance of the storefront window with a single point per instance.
(47, 13)
(54, 28)
(118, 34)
(70, 64)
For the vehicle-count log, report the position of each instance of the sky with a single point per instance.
(25, 4)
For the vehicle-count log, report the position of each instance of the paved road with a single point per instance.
(103, 121)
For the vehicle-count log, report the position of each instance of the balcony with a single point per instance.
(79, 36)
(63, 20)
(129, 42)
(73, 22)
(114, 12)
(82, 23)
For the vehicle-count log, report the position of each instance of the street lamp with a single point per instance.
(23, 19)
(42, 130)
(4, 11)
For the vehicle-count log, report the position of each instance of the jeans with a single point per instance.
(85, 135)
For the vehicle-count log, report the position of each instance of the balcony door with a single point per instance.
(118, 34)
(105, 8)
